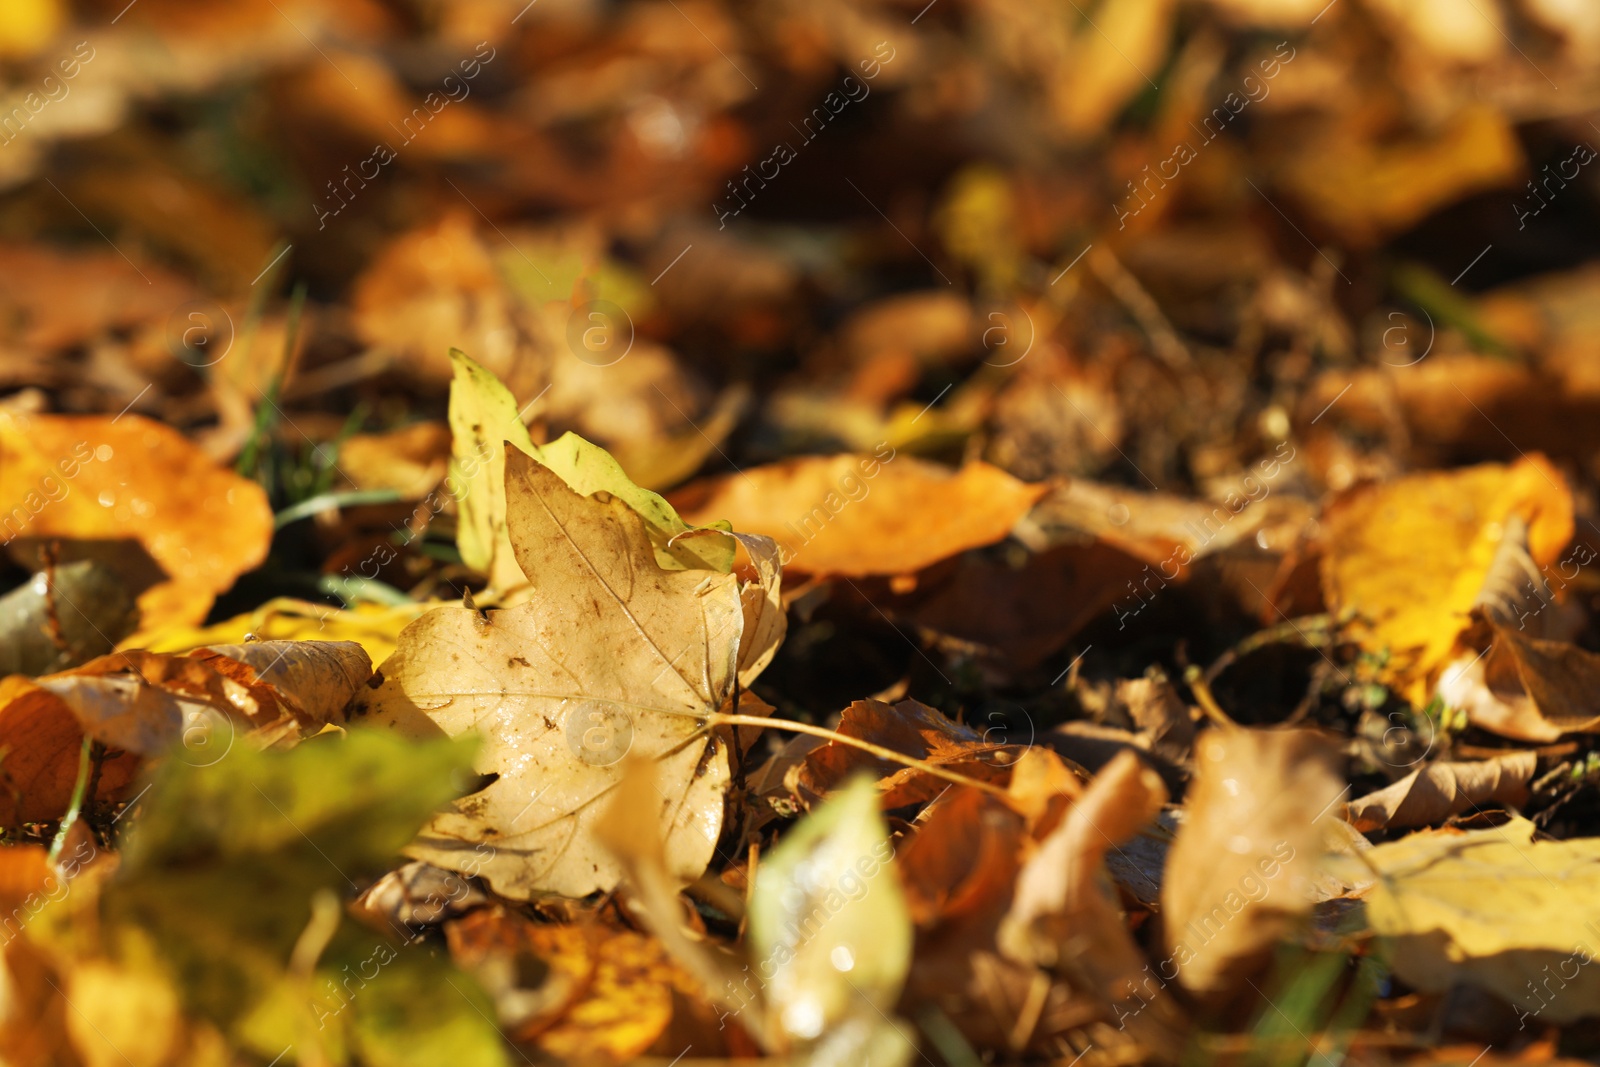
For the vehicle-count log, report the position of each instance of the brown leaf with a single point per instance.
(1241, 866)
(958, 869)
(145, 703)
(1433, 793)
(912, 729)
(1523, 687)
(54, 299)
(1022, 614)
(1064, 917)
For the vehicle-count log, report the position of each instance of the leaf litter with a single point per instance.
(1089, 560)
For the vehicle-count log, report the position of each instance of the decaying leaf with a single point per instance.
(1496, 909)
(657, 652)
(1521, 686)
(912, 729)
(881, 514)
(1242, 865)
(1437, 791)
(1064, 916)
(105, 485)
(147, 704)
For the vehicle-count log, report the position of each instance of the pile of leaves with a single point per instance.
(873, 533)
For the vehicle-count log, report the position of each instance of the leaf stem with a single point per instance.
(866, 746)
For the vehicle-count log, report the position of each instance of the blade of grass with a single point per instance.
(329, 501)
(254, 460)
(79, 790)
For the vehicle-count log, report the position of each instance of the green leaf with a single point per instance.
(829, 923)
(238, 868)
(483, 417)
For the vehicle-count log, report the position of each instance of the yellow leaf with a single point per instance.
(28, 26)
(830, 934)
(1409, 558)
(375, 627)
(483, 419)
(1496, 909)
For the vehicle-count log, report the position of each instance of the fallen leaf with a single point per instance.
(1408, 559)
(864, 515)
(42, 628)
(958, 869)
(56, 299)
(266, 840)
(147, 704)
(483, 418)
(912, 729)
(657, 654)
(625, 1008)
(1102, 67)
(95, 479)
(411, 460)
(1015, 615)
(830, 936)
(1493, 908)
(1064, 918)
(603, 997)
(1433, 793)
(643, 856)
(1368, 190)
(375, 627)
(1241, 867)
(503, 950)
(1522, 687)
(437, 288)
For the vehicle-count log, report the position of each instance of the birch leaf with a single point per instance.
(609, 654)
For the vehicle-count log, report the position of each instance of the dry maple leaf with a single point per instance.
(609, 654)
